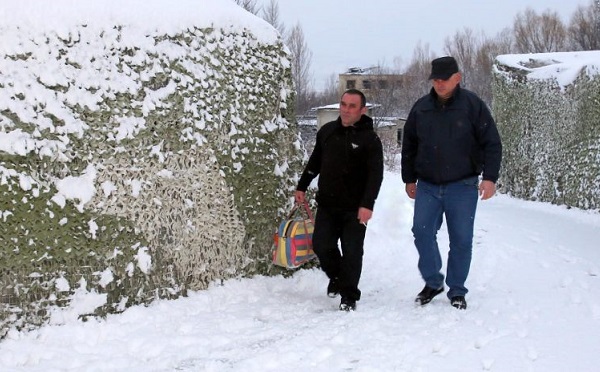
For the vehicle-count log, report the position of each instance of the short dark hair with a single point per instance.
(363, 99)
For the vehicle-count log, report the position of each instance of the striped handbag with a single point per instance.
(293, 239)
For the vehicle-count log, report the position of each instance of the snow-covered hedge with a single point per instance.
(548, 112)
(144, 150)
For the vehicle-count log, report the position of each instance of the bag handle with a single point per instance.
(310, 216)
(296, 208)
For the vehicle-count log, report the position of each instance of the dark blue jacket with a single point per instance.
(349, 163)
(450, 142)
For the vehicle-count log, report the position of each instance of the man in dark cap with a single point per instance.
(451, 153)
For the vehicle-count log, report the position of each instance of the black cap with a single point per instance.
(443, 67)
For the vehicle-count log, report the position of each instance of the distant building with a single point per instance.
(389, 129)
(369, 81)
(374, 86)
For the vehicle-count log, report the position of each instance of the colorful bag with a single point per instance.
(293, 239)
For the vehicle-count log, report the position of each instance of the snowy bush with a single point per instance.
(548, 107)
(139, 159)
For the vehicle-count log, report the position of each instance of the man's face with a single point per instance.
(350, 109)
(444, 88)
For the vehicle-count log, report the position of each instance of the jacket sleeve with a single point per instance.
(491, 145)
(374, 173)
(409, 149)
(313, 167)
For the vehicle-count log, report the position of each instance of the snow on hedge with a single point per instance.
(548, 107)
(145, 149)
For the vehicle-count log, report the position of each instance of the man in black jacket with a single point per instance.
(450, 139)
(348, 158)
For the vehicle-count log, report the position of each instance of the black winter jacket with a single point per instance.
(450, 142)
(349, 162)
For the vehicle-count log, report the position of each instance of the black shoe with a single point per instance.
(347, 304)
(332, 288)
(459, 302)
(427, 294)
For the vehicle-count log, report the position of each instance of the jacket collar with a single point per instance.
(365, 122)
(452, 98)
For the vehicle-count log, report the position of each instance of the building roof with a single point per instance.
(336, 106)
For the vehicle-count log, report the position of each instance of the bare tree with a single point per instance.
(249, 5)
(300, 53)
(463, 46)
(385, 89)
(301, 61)
(597, 16)
(331, 92)
(270, 14)
(487, 52)
(505, 41)
(416, 76)
(584, 28)
(539, 33)
(475, 55)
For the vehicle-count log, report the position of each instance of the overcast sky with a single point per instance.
(355, 33)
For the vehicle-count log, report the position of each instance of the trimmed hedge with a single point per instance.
(187, 143)
(551, 136)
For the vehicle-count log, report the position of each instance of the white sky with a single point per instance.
(358, 33)
(534, 305)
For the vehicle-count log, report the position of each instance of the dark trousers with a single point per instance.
(333, 225)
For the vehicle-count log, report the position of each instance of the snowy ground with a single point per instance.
(534, 305)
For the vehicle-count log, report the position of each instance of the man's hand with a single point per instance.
(299, 197)
(487, 189)
(411, 190)
(364, 215)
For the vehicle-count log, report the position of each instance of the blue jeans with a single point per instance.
(458, 202)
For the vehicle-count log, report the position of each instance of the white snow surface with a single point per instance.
(61, 16)
(534, 305)
(564, 67)
(534, 301)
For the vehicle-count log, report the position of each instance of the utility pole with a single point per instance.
(597, 16)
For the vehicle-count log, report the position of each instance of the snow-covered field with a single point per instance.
(534, 305)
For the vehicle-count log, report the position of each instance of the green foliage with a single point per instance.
(551, 138)
(221, 103)
(43, 242)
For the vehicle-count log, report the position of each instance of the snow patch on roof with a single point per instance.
(168, 16)
(564, 67)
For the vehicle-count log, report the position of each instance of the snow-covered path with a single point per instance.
(534, 305)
